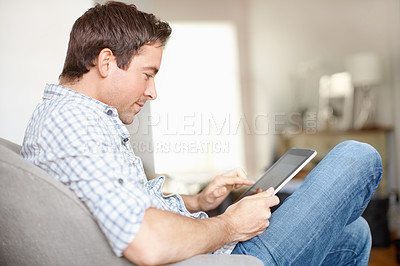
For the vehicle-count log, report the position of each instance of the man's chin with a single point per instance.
(127, 120)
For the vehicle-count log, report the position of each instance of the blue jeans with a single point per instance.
(321, 223)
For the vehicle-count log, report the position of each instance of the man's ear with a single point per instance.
(104, 61)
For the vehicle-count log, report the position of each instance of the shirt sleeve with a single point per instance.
(87, 156)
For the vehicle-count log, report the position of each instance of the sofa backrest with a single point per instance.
(42, 222)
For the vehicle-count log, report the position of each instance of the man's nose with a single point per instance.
(151, 91)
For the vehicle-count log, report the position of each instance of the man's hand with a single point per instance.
(216, 191)
(258, 207)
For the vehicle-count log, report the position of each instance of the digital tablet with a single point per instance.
(283, 170)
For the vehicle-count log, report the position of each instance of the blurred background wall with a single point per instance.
(34, 39)
(283, 49)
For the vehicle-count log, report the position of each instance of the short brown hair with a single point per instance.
(115, 25)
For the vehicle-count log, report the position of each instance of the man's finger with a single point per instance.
(241, 173)
(268, 193)
(219, 192)
(230, 180)
(236, 172)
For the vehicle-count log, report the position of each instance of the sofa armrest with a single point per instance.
(220, 260)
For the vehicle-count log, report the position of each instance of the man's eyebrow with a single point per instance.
(152, 68)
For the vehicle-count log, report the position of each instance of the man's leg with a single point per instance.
(311, 221)
(352, 247)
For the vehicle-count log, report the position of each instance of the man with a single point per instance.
(77, 134)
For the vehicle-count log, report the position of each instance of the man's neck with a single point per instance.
(86, 85)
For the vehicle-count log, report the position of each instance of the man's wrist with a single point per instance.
(227, 227)
(192, 202)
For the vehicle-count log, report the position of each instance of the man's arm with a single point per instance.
(166, 237)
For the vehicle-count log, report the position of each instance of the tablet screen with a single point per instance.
(281, 172)
(287, 165)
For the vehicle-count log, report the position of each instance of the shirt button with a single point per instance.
(125, 140)
(121, 181)
(109, 112)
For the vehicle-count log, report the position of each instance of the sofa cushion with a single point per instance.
(43, 222)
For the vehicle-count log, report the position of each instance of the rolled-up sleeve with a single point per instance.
(120, 214)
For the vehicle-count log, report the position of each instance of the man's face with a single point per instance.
(131, 88)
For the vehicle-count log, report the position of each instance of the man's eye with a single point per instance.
(148, 76)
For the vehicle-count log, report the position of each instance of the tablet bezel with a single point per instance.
(308, 155)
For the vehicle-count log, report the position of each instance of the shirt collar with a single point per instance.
(53, 91)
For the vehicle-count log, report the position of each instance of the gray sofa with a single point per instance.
(42, 222)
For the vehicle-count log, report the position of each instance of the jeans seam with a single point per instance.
(345, 249)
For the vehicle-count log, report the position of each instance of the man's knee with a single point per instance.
(357, 161)
(360, 148)
(361, 162)
(360, 153)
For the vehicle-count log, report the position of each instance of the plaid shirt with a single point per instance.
(83, 143)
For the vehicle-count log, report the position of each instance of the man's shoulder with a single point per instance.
(64, 109)
(65, 114)
(71, 104)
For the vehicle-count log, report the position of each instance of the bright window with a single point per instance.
(197, 117)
